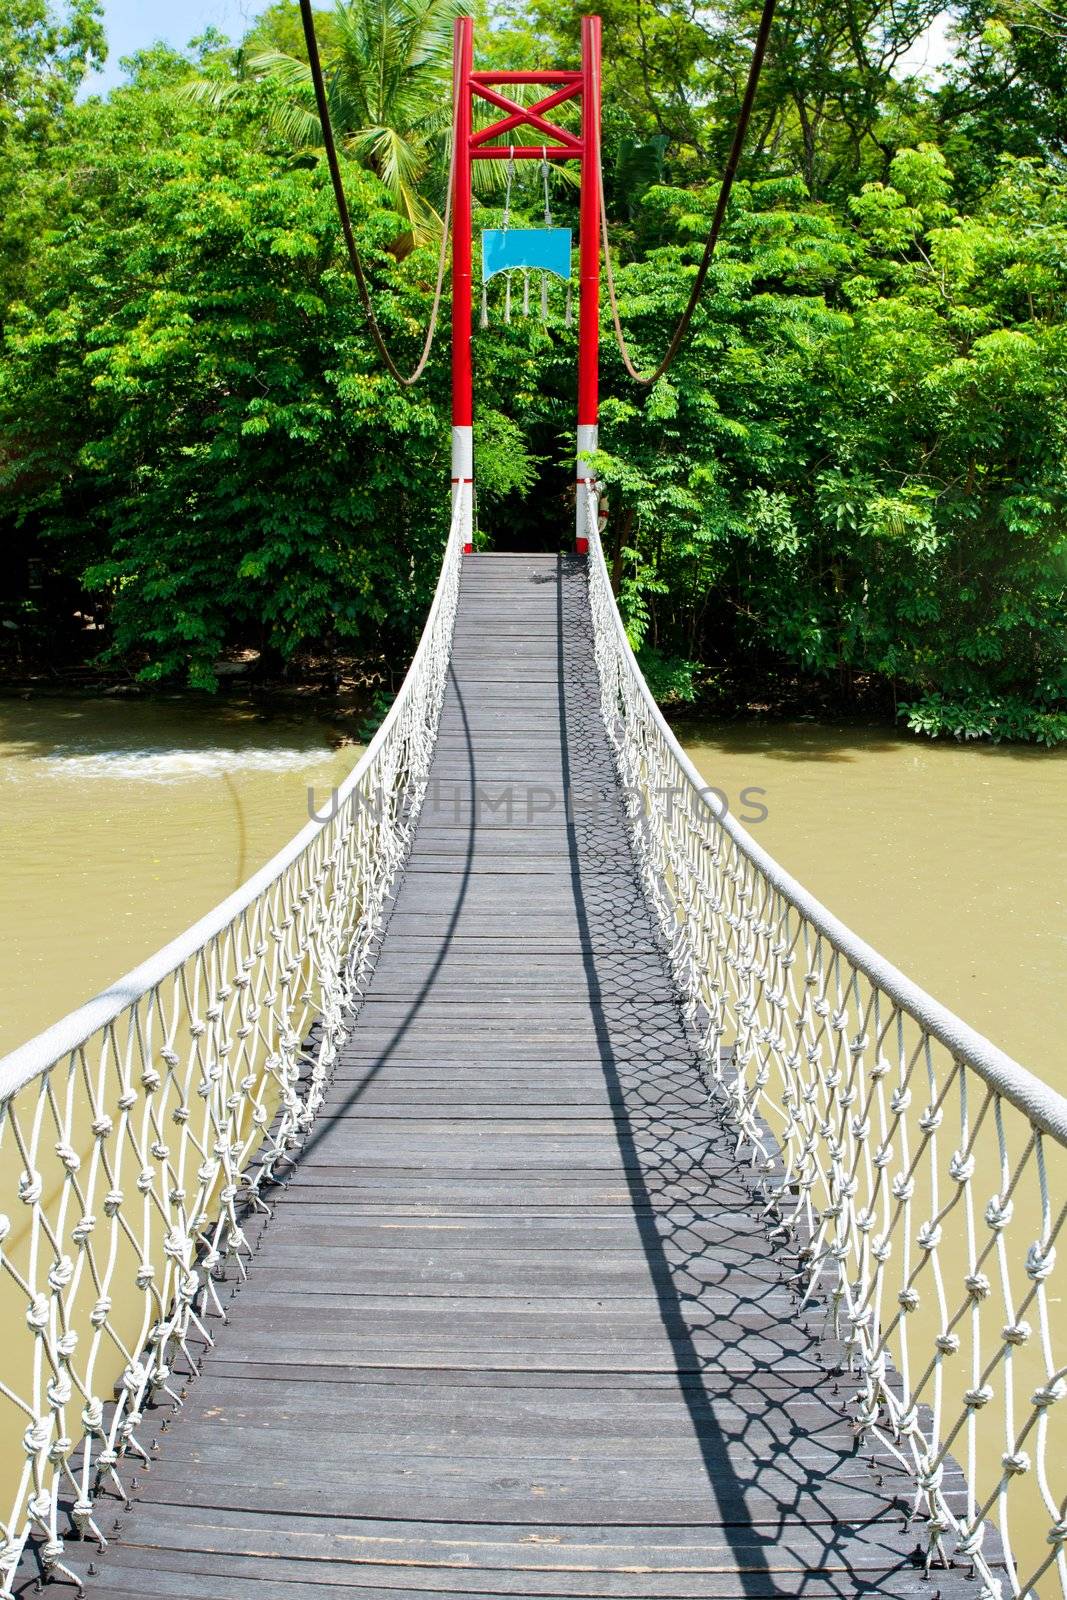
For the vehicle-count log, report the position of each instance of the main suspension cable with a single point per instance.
(646, 379)
(354, 261)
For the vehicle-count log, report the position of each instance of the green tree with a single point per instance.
(829, 106)
(1006, 91)
(279, 28)
(191, 418)
(859, 463)
(45, 56)
(856, 470)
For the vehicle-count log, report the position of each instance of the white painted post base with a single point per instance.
(463, 482)
(585, 495)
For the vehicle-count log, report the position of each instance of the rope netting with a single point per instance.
(138, 1134)
(918, 1173)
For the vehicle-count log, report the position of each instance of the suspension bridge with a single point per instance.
(522, 1185)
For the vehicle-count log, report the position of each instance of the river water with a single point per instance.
(123, 821)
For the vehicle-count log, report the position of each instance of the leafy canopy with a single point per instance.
(856, 471)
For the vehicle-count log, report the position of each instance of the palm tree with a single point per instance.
(387, 65)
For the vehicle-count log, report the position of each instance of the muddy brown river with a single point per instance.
(123, 822)
(950, 859)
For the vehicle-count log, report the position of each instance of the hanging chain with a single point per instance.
(544, 180)
(507, 189)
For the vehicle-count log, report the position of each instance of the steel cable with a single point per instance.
(409, 379)
(744, 116)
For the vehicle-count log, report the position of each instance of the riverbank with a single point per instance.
(358, 690)
(737, 693)
(353, 685)
(351, 692)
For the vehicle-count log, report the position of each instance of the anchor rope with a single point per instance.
(407, 380)
(647, 379)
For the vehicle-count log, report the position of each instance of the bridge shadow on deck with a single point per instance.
(723, 1482)
(675, 1246)
(516, 1327)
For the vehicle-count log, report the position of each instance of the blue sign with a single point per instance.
(542, 249)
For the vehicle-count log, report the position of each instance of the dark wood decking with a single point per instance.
(516, 1327)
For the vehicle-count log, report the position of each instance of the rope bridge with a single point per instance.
(911, 1173)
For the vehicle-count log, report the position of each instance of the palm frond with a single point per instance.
(207, 92)
(296, 125)
(287, 71)
(398, 163)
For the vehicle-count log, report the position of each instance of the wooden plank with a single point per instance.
(485, 1547)
(512, 1486)
(710, 1240)
(546, 1191)
(383, 1584)
(572, 1275)
(503, 1416)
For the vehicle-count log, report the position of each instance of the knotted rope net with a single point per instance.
(917, 1172)
(139, 1134)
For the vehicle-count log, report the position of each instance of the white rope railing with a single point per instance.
(920, 1172)
(136, 1134)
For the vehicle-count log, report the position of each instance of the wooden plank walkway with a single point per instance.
(516, 1328)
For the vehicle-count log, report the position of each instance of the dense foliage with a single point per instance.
(856, 470)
